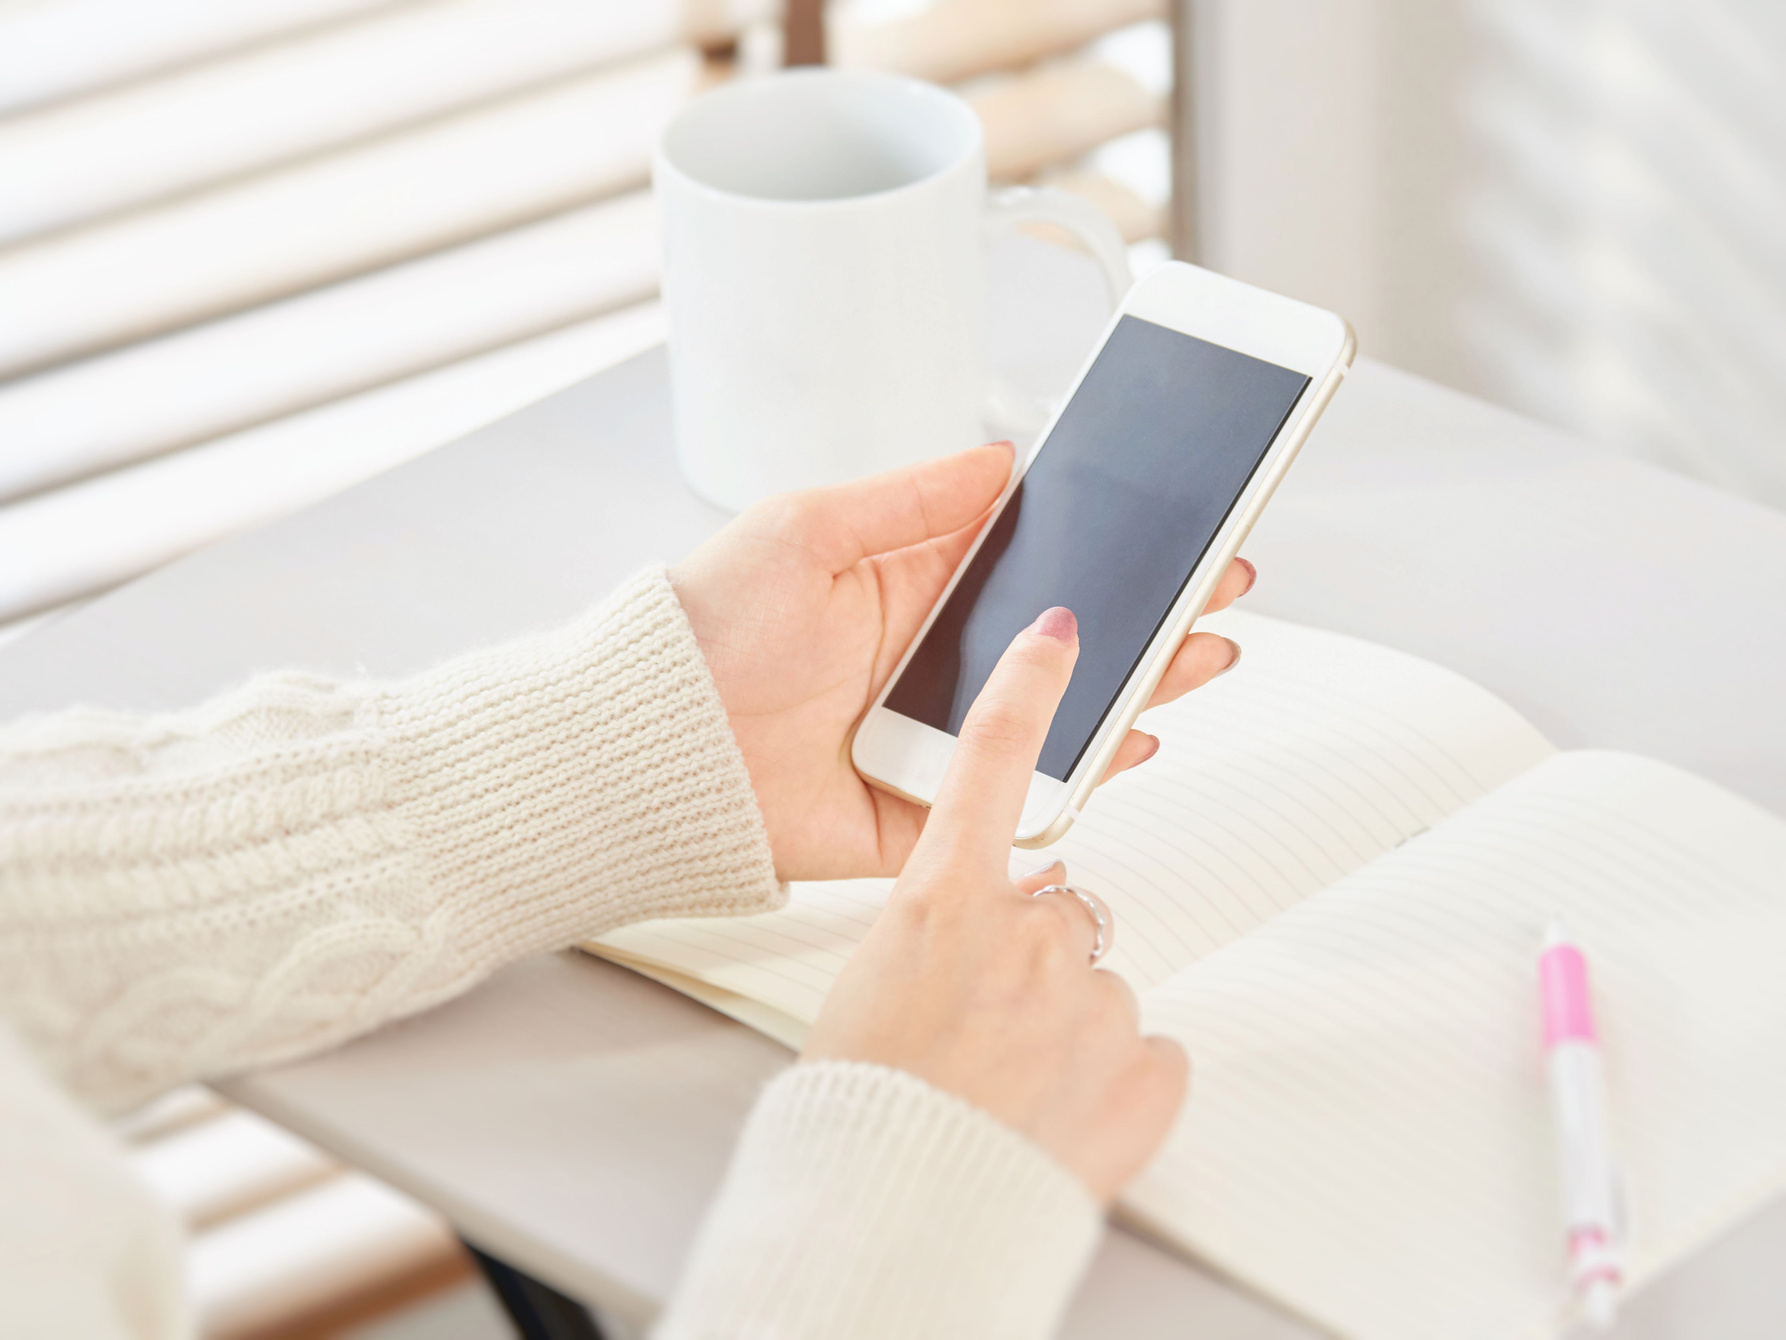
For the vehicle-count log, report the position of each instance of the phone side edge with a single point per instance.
(1191, 605)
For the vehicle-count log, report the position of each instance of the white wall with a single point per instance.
(1329, 144)
(1574, 208)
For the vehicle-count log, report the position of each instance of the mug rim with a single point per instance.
(666, 166)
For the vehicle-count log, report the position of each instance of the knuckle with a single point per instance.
(1065, 916)
(1034, 880)
(997, 725)
(1040, 928)
(1037, 653)
(925, 915)
(1046, 935)
(1117, 998)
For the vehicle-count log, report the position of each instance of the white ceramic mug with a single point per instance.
(824, 270)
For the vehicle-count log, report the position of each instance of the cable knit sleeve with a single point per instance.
(863, 1202)
(303, 859)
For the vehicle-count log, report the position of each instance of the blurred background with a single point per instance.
(253, 251)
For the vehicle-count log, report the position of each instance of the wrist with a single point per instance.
(562, 784)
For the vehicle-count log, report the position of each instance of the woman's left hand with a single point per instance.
(804, 604)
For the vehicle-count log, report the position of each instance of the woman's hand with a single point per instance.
(971, 983)
(803, 606)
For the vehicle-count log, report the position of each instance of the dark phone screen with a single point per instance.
(1142, 468)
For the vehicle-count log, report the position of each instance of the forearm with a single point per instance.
(302, 859)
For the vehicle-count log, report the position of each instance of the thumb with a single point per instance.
(850, 522)
(981, 800)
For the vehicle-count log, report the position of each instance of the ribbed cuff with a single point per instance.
(581, 779)
(863, 1202)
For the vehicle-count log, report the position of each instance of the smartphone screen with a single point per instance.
(1113, 516)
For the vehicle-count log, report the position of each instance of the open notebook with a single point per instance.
(1330, 885)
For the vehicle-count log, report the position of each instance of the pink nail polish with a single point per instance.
(1057, 623)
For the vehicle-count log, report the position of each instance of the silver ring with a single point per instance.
(1100, 915)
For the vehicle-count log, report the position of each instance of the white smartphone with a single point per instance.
(1127, 510)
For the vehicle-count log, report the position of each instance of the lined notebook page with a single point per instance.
(1318, 754)
(1368, 1139)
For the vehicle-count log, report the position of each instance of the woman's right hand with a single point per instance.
(979, 988)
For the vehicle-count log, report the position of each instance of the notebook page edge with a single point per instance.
(774, 1024)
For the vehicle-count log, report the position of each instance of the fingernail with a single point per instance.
(1041, 869)
(1232, 661)
(1252, 574)
(1153, 749)
(1057, 623)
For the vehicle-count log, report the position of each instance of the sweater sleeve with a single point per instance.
(863, 1202)
(303, 859)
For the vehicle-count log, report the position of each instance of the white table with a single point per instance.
(574, 1118)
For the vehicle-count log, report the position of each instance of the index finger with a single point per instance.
(981, 799)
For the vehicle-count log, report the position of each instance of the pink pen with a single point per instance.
(1578, 1098)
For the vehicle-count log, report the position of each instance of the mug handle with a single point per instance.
(1007, 408)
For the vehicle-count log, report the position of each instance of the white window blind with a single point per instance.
(1628, 226)
(253, 253)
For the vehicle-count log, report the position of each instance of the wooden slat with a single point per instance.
(84, 538)
(340, 1317)
(310, 1260)
(951, 40)
(196, 384)
(265, 1247)
(51, 50)
(218, 1169)
(170, 1112)
(1134, 217)
(342, 215)
(350, 82)
(1059, 112)
(804, 33)
(1183, 220)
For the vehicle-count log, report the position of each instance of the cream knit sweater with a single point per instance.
(302, 860)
